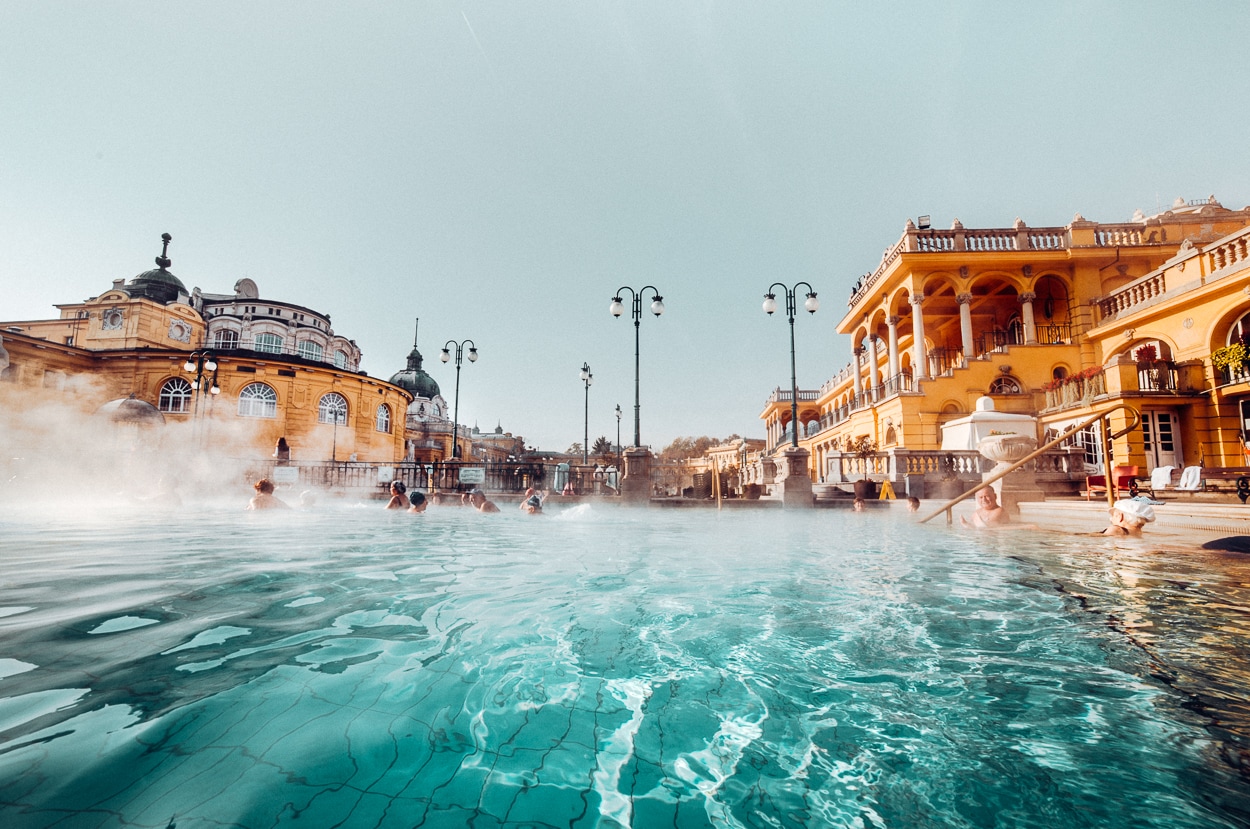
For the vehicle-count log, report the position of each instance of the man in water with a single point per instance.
(477, 499)
(418, 501)
(264, 497)
(989, 513)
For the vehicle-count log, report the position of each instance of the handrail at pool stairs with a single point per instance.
(1106, 453)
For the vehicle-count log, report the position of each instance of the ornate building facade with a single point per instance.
(1030, 317)
(233, 372)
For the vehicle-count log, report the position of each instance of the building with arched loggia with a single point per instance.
(232, 372)
(1055, 322)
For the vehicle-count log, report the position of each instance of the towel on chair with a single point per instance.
(1160, 477)
(1191, 478)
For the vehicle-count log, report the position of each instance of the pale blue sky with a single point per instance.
(500, 169)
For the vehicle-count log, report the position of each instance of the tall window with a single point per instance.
(332, 409)
(383, 421)
(226, 339)
(258, 400)
(269, 343)
(310, 350)
(340, 359)
(175, 396)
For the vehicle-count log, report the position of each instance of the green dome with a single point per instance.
(414, 380)
(159, 284)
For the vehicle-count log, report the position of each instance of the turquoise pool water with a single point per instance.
(609, 667)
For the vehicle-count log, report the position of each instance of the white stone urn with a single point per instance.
(1006, 449)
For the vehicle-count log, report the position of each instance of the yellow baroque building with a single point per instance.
(1054, 322)
(233, 373)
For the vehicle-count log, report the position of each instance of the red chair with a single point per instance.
(1123, 478)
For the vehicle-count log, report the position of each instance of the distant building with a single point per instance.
(242, 370)
(1056, 322)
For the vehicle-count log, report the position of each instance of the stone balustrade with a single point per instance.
(1132, 295)
(1020, 237)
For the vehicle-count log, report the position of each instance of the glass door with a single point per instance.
(1159, 439)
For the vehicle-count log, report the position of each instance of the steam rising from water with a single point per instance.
(55, 446)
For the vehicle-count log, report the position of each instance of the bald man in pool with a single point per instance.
(989, 513)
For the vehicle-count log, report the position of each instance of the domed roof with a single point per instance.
(131, 410)
(414, 380)
(158, 284)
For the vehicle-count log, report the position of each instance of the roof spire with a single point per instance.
(414, 333)
(163, 261)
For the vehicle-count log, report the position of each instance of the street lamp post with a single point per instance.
(618, 438)
(446, 355)
(587, 379)
(617, 308)
(810, 304)
(204, 366)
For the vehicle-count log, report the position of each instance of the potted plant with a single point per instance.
(865, 448)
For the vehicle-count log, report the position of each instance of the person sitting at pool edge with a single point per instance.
(264, 497)
(1128, 516)
(477, 498)
(398, 499)
(418, 501)
(989, 513)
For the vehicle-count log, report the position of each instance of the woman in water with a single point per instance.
(398, 499)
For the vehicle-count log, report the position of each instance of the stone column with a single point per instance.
(892, 344)
(796, 487)
(1026, 310)
(873, 381)
(965, 325)
(636, 485)
(856, 379)
(919, 357)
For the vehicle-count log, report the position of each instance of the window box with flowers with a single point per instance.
(1234, 361)
(1075, 389)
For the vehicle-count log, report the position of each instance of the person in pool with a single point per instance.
(533, 505)
(913, 503)
(989, 513)
(477, 499)
(418, 502)
(1128, 516)
(859, 505)
(264, 497)
(398, 499)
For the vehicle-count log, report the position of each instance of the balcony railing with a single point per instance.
(1160, 376)
(1234, 373)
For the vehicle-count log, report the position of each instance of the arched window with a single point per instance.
(258, 400)
(1005, 385)
(340, 359)
(332, 408)
(310, 350)
(269, 343)
(226, 339)
(383, 421)
(1240, 330)
(175, 396)
(891, 436)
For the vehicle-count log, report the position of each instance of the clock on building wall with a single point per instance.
(113, 319)
(180, 331)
